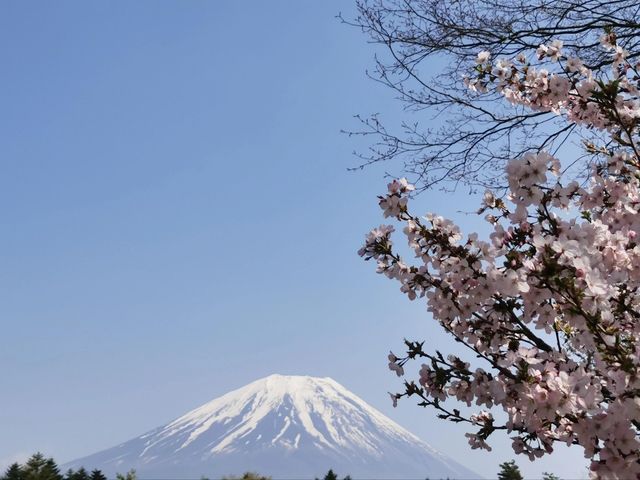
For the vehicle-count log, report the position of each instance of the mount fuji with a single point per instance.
(287, 427)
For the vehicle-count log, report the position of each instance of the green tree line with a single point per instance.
(38, 467)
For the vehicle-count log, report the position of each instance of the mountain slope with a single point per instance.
(283, 426)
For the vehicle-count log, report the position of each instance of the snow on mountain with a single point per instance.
(284, 426)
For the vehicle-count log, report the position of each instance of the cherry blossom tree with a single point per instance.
(425, 46)
(548, 306)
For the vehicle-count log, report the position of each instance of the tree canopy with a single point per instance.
(429, 46)
(509, 471)
(39, 467)
(548, 306)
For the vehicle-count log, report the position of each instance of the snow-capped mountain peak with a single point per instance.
(284, 426)
(295, 400)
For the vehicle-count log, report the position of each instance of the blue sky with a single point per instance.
(177, 219)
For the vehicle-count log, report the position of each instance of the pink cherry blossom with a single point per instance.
(548, 305)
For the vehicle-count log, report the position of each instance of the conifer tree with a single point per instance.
(509, 471)
(40, 468)
(97, 475)
(50, 471)
(550, 476)
(14, 472)
(248, 476)
(331, 475)
(131, 475)
(81, 474)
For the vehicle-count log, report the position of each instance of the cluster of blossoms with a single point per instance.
(550, 302)
(571, 89)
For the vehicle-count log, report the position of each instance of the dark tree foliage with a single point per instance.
(248, 476)
(130, 475)
(97, 475)
(432, 44)
(549, 476)
(509, 471)
(81, 474)
(14, 472)
(38, 467)
(331, 475)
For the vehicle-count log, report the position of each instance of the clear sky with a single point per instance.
(177, 220)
